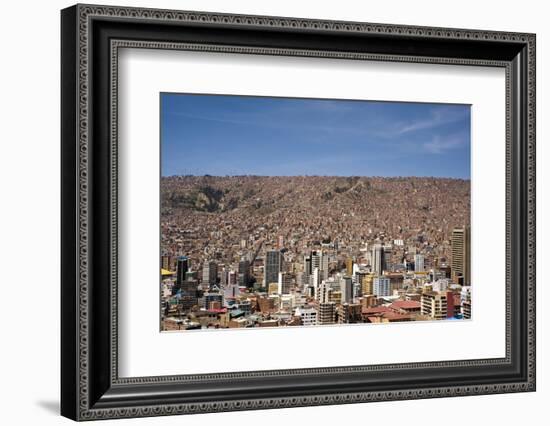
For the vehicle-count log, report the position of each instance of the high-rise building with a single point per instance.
(210, 273)
(244, 273)
(224, 274)
(182, 266)
(367, 284)
(460, 256)
(359, 275)
(346, 287)
(231, 278)
(324, 266)
(319, 260)
(188, 294)
(322, 292)
(316, 260)
(334, 296)
(434, 305)
(302, 280)
(327, 313)
(307, 265)
(388, 249)
(285, 282)
(315, 277)
(349, 313)
(378, 259)
(273, 265)
(357, 290)
(418, 263)
(349, 266)
(381, 286)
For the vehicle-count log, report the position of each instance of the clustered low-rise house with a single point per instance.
(333, 283)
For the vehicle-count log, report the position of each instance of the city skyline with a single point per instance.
(240, 252)
(222, 135)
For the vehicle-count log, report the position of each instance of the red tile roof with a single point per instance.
(375, 310)
(405, 304)
(390, 316)
(395, 316)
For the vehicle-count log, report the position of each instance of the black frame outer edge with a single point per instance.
(105, 395)
(69, 199)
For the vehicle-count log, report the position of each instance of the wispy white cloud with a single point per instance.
(440, 145)
(418, 125)
(438, 117)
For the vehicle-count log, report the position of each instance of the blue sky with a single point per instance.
(239, 135)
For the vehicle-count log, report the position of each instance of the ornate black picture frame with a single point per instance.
(90, 38)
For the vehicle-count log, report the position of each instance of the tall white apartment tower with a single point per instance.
(346, 288)
(418, 263)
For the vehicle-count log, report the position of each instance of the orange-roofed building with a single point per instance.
(405, 306)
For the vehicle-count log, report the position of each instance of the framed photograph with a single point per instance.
(264, 212)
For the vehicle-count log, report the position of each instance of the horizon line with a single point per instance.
(306, 175)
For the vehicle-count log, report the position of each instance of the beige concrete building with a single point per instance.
(434, 305)
(327, 313)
